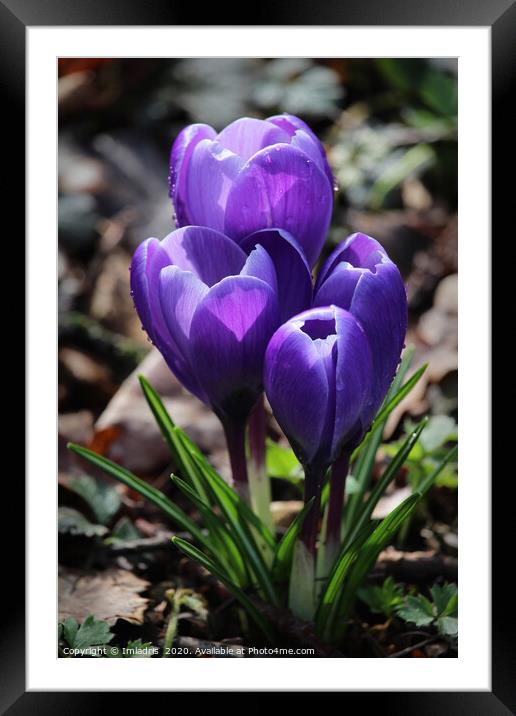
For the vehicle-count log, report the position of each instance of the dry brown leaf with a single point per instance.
(138, 445)
(109, 595)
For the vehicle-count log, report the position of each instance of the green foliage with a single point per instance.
(401, 128)
(340, 594)
(403, 164)
(430, 455)
(238, 549)
(103, 498)
(383, 599)
(441, 429)
(151, 493)
(434, 88)
(363, 458)
(197, 556)
(285, 549)
(418, 610)
(92, 632)
(389, 474)
(281, 462)
(124, 530)
(296, 85)
(70, 521)
(440, 612)
(92, 639)
(178, 598)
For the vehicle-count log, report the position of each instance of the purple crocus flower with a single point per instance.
(255, 174)
(211, 309)
(318, 379)
(360, 277)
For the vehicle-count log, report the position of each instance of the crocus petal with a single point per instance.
(281, 187)
(306, 143)
(291, 124)
(211, 172)
(148, 260)
(260, 265)
(358, 250)
(205, 252)
(247, 135)
(229, 333)
(380, 304)
(180, 154)
(354, 382)
(303, 137)
(360, 277)
(339, 286)
(318, 373)
(180, 293)
(295, 284)
(296, 385)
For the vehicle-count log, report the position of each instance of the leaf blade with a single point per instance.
(151, 493)
(285, 548)
(244, 600)
(387, 477)
(169, 431)
(227, 550)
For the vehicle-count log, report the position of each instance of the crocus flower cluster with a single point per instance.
(228, 297)
(253, 175)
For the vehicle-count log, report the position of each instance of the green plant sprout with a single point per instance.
(240, 550)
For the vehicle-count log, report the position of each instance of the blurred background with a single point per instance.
(390, 130)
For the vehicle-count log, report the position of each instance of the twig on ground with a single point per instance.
(410, 649)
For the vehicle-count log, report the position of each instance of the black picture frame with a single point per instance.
(500, 15)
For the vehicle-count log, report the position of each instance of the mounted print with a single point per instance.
(258, 369)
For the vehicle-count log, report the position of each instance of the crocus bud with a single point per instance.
(211, 309)
(318, 379)
(255, 174)
(360, 277)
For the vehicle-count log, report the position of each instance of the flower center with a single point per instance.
(319, 328)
